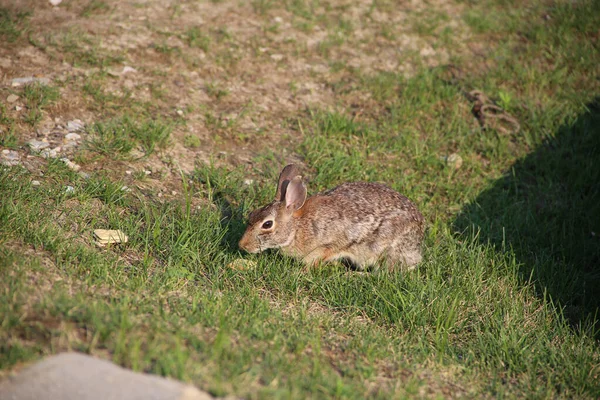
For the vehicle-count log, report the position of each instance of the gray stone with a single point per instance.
(10, 158)
(50, 153)
(73, 376)
(73, 136)
(37, 145)
(29, 79)
(75, 125)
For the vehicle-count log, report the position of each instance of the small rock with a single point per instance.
(277, 57)
(73, 136)
(127, 69)
(174, 192)
(71, 164)
(35, 183)
(18, 108)
(69, 189)
(29, 79)
(10, 158)
(75, 125)
(37, 145)
(147, 172)
(179, 112)
(248, 182)
(454, 160)
(128, 172)
(278, 20)
(50, 153)
(12, 98)
(55, 2)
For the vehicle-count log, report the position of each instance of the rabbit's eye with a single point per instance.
(267, 225)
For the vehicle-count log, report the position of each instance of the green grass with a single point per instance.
(12, 24)
(36, 97)
(118, 137)
(504, 305)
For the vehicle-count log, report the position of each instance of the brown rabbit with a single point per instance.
(362, 222)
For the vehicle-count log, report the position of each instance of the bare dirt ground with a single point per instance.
(232, 76)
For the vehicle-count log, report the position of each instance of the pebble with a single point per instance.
(277, 57)
(50, 153)
(147, 172)
(128, 172)
(174, 192)
(55, 2)
(18, 108)
(454, 160)
(35, 183)
(71, 164)
(179, 112)
(127, 69)
(10, 158)
(73, 136)
(12, 98)
(29, 79)
(37, 145)
(75, 125)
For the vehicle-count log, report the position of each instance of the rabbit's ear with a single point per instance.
(287, 174)
(295, 195)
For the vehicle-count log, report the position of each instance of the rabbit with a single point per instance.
(368, 224)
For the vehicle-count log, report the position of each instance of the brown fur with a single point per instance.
(366, 223)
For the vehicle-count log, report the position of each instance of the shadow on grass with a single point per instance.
(547, 209)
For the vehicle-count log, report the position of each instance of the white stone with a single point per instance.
(454, 160)
(55, 2)
(72, 136)
(10, 158)
(35, 183)
(128, 69)
(71, 164)
(37, 145)
(50, 153)
(29, 79)
(277, 57)
(75, 125)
